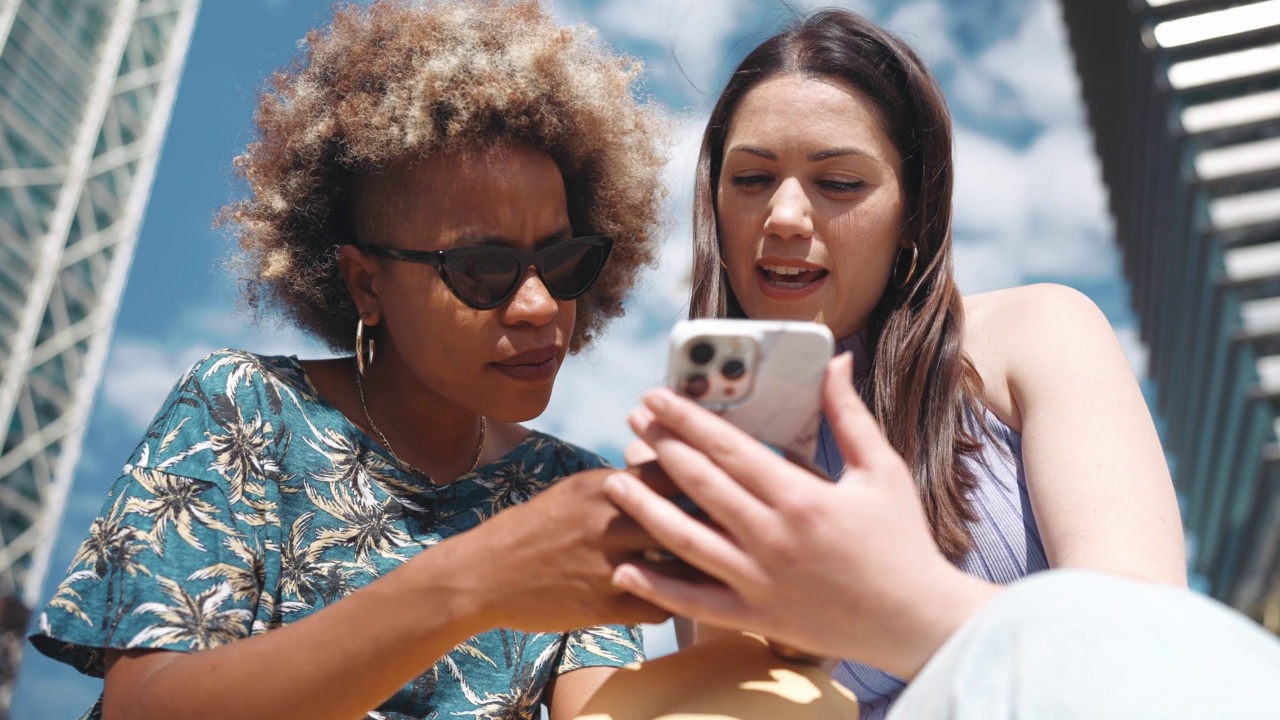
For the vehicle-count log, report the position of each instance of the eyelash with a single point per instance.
(842, 186)
(755, 181)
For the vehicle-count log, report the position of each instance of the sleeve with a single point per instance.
(168, 563)
(600, 646)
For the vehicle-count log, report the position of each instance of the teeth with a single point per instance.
(780, 270)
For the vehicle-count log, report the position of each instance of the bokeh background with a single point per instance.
(1030, 207)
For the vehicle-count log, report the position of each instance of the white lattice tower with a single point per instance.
(86, 90)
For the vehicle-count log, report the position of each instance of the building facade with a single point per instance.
(1183, 97)
(86, 90)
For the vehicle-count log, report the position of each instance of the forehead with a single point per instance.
(503, 193)
(792, 110)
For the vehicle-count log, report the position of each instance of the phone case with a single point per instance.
(778, 398)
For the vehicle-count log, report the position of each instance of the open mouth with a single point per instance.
(786, 277)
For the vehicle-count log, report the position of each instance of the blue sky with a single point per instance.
(1029, 207)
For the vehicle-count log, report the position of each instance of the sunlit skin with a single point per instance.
(441, 364)
(810, 182)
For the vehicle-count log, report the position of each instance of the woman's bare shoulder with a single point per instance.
(1009, 331)
(1004, 321)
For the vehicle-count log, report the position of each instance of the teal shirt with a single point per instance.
(252, 503)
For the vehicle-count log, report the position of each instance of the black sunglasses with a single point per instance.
(486, 276)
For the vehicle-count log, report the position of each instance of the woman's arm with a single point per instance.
(1096, 473)
(346, 659)
(569, 692)
(338, 663)
(844, 569)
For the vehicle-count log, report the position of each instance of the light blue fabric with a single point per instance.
(1074, 644)
(252, 503)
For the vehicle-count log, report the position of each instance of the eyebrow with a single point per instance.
(815, 157)
(468, 239)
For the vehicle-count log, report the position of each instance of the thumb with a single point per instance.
(856, 431)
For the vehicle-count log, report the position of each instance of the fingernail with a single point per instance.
(658, 399)
(846, 357)
(623, 577)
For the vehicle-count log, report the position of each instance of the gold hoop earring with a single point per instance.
(362, 363)
(911, 271)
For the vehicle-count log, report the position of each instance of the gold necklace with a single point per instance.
(475, 461)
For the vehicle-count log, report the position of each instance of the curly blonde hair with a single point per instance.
(398, 80)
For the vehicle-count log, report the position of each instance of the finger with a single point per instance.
(858, 435)
(652, 474)
(630, 609)
(716, 493)
(688, 539)
(714, 604)
(750, 463)
(624, 536)
(638, 453)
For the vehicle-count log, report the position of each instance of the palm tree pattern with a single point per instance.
(252, 503)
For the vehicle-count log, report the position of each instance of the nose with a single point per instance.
(790, 212)
(532, 304)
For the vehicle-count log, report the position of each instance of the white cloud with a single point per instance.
(923, 25)
(1135, 350)
(862, 7)
(140, 374)
(1044, 205)
(694, 34)
(142, 370)
(984, 266)
(1037, 63)
(659, 640)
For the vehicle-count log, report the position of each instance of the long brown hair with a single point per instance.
(923, 389)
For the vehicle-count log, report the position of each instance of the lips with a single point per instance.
(536, 365)
(789, 281)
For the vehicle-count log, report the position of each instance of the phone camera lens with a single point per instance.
(733, 369)
(702, 353)
(695, 386)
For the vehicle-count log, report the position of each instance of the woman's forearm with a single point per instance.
(339, 663)
(930, 614)
(509, 571)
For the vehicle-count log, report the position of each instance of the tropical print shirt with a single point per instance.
(252, 503)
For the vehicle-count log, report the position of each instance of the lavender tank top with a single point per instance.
(1006, 540)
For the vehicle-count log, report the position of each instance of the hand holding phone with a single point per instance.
(764, 376)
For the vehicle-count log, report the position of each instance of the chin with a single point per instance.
(788, 311)
(515, 409)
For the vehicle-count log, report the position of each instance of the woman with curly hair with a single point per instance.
(458, 194)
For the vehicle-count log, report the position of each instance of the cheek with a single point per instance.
(737, 232)
(868, 234)
(566, 319)
(431, 322)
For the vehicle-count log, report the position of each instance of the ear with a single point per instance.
(362, 276)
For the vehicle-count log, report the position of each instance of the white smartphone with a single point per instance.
(765, 376)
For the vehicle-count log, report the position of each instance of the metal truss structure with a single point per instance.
(86, 91)
(1184, 101)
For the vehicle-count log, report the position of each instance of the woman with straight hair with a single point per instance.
(824, 193)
